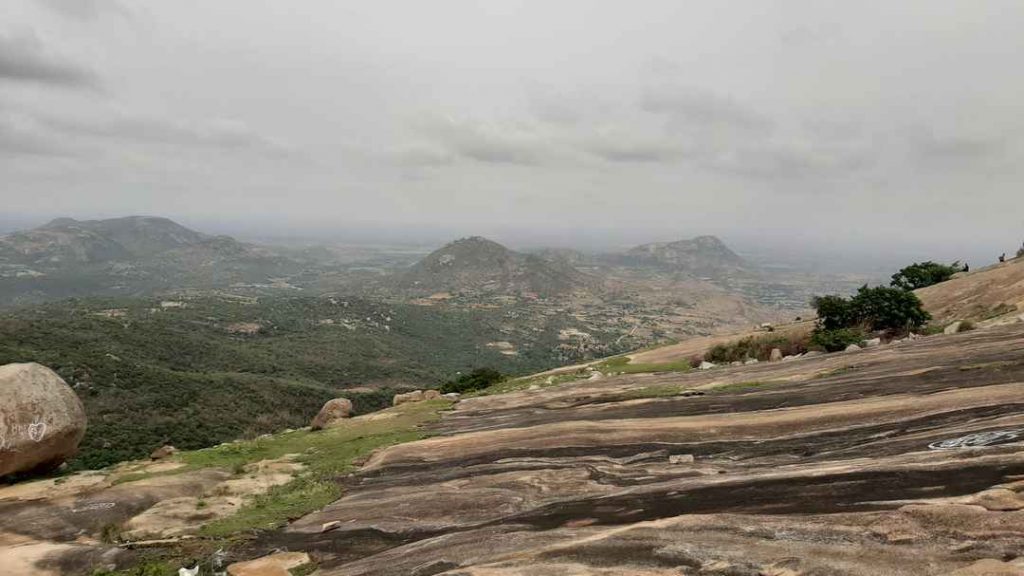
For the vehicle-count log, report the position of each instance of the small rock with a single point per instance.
(750, 361)
(680, 459)
(852, 348)
(333, 525)
(913, 336)
(534, 387)
(165, 451)
(705, 365)
(452, 395)
(279, 564)
(736, 363)
(873, 343)
(813, 353)
(549, 380)
(333, 410)
(596, 376)
(953, 328)
(776, 355)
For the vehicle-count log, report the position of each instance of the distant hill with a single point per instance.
(703, 255)
(126, 256)
(478, 265)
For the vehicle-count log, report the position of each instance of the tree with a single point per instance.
(922, 274)
(476, 380)
(834, 312)
(884, 308)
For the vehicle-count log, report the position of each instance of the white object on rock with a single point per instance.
(873, 342)
(680, 459)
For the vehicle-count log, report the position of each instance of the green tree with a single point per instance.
(476, 380)
(922, 274)
(834, 312)
(885, 308)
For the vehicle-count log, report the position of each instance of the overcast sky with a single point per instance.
(887, 125)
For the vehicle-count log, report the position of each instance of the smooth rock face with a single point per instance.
(274, 565)
(333, 410)
(776, 355)
(41, 419)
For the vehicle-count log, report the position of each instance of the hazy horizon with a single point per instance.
(871, 133)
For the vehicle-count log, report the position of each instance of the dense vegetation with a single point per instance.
(844, 321)
(476, 380)
(755, 347)
(924, 274)
(210, 369)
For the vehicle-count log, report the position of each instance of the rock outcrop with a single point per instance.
(333, 410)
(41, 419)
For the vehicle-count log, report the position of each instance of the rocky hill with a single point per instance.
(700, 256)
(480, 266)
(126, 256)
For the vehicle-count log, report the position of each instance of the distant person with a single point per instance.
(966, 268)
(1003, 257)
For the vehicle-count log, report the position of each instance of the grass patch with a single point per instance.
(747, 386)
(837, 371)
(326, 454)
(517, 384)
(659, 391)
(155, 568)
(998, 365)
(624, 365)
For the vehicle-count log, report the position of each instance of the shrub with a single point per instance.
(966, 326)
(922, 274)
(878, 308)
(882, 308)
(476, 380)
(836, 340)
(834, 312)
(756, 347)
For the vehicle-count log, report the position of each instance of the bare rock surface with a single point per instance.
(41, 419)
(902, 460)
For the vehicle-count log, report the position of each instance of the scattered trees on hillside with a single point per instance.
(476, 380)
(923, 274)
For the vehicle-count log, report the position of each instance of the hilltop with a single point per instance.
(481, 266)
(126, 256)
(703, 255)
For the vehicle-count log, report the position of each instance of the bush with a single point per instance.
(476, 380)
(922, 274)
(966, 326)
(755, 347)
(834, 312)
(836, 340)
(882, 308)
(878, 308)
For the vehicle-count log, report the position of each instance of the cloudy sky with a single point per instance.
(884, 125)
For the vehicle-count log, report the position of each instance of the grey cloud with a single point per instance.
(84, 9)
(23, 58)
(490, 143)
(694, 108)
(19, 137)
(216, 134)
(928, 145)
(624, 149)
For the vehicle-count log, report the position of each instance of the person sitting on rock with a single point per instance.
(1003, 257)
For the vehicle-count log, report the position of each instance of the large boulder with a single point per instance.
(335, 409)
(41, 419)
(414, 396)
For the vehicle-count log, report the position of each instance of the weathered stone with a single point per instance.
(706, 365)
(953, 328)
(749, 361)
(165, 451)
(333, 410)
(1000, 500)
(680, 459)
(454, 395)
(852, 348)
(414, 396)
(431, 394)
(776, 355)
(872, 342)
(41, 419)
(278, 564)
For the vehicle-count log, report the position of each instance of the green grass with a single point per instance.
(517, 384)
(326, 454)
(658, 391)
(747, 386)
(624, 365)
(837, 371)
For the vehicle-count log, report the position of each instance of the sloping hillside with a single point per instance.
(481, 266)
(984, 294)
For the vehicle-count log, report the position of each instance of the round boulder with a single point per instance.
(41, 419)
(335, 409)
